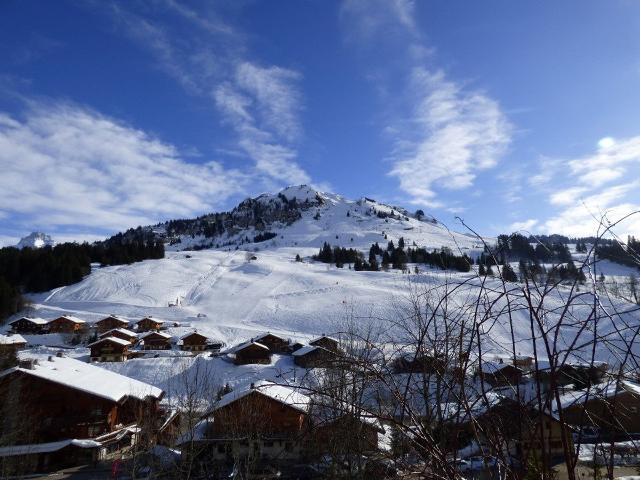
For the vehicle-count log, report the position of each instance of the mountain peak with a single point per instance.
(36, 240)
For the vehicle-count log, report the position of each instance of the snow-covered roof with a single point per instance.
(114, 317)
(304, 350)
(323, 336)
(117, 340)
(12, 339)
(493, 367)
(244, 345)
(187, 335)
(600, 391)
(123, 331)
(267, 334)
(37, 320)
(280, 393)
(152, 319)
(46, 447)
(70, 318)
(166, 336)
(89, 378)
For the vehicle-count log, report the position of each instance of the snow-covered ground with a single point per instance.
(226, 295)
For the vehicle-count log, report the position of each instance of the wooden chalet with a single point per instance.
(156, 341)
(61, 399)
(148, 324)
(111, 322)
(312, 356)
(251, 352)
(531, 435)
(29, 325)
(121, 333)
(109, 349)
(274, 417)
(18, 460)
(193, 342)
(335, 429)
(328, 343)
(10, 344)
(500, 374)
(273, 342)
(613, 408)
(428, 364)
(66, 324)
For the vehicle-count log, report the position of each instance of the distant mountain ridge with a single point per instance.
(303, 216)
(35, 240)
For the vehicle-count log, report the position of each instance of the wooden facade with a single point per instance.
(194, 342)
(46, 411)
(619, 414)
(500, 375)
(29, 325)
(257, 428)
(313, 357)
(111, 322)
(273, 342)
(10, 344)
(122, 334)
(251, 353)
(156, 341)
(328, 343)
(65, 324)
(149, 324)
(109, 349)
(344, 433)
(425, 364)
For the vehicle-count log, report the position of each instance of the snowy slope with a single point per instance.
(348, 223)
(226, 294)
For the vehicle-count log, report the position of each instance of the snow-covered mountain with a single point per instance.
(228, 285)
(35, 240)
(301, 216)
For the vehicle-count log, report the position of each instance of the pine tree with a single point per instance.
(508, 274)
(401, 242)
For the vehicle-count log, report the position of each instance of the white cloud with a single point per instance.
(448, 132)
(567, 196)
(587, 192)
(261, 103)
(372, 15)
(68, 166)
(454, 133)
(526, 225)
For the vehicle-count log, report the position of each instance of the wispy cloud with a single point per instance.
(262, 103)
(446, 132)
(455, 134)
(524, 226)
(588, 193)
(68, 168)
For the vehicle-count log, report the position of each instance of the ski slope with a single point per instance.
(233, 293)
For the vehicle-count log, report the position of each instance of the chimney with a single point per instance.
(253, 386)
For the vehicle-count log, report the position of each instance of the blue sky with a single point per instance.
(512, 115)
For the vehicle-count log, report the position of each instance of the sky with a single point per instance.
(513, 116)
